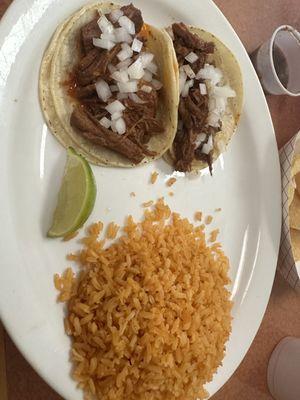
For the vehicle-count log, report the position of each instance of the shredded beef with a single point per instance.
(85, 91)
(193, 109)
(88, 32)
(94, 106)
(97, 134)
(140, 118)
(134, 15)
(190, 40)
(90, 57)
(98, 68)
(184, 149)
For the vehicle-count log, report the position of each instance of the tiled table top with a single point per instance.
(254, 22)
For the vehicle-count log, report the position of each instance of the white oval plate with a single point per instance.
(246, 185)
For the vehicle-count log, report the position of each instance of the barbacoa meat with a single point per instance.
(193, 109)
(134, 15)
(88, 32)
(140, 118)
(98, 67)
(191, 41)
(99, 135)
(91, 30)
(184, 149)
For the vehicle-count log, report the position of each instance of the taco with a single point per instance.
(109, 86)
(211, 97)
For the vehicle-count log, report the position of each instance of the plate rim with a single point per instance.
(15, 8)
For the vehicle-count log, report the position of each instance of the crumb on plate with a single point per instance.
(213, 235)
(171, 181)
(198, 216)
(148, 203)
(208, 219)
(153, 177)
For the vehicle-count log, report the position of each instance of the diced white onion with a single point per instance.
(105, 25)
(108, 36)
(185, 91)
(122, 36)
(211, 73)
(136, 70)
(137, 45)
(116, 115)
(191, 57)
(111, 68)
(120, 76)
(128, 87)
(134, 97)
(116, 14)
(146, 89)
(199, 139)
(119, 126)
(146, 58)
(224, 91)
(202, 137)
(114, 107)
(125, 53)
(213, 119)
(188, 70)
(126, 23)
(187, 87)
(105, 122)
(182, 80)
(221, 103)
(103, 43)
(103, 90)
(203, 89)
(114, 88)
(152, 67)
(124, 64)
(147, 76)
(156, 84)
(207, 147)
(125, 46)
(113, 126)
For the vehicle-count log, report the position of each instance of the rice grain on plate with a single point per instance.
(150, 314)
(171, 181)
(153, 177)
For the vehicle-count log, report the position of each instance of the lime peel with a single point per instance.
(76, 197)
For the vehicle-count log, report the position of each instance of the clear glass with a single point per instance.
(277, 62)
(283, 370)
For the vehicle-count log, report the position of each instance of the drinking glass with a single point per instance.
(277, 62)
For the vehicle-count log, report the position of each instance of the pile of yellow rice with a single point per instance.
(149, 315)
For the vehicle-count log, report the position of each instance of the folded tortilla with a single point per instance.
(224, 59)
(57, 106)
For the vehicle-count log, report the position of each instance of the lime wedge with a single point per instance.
(76, 197)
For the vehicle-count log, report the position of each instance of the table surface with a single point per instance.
(254, 21)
